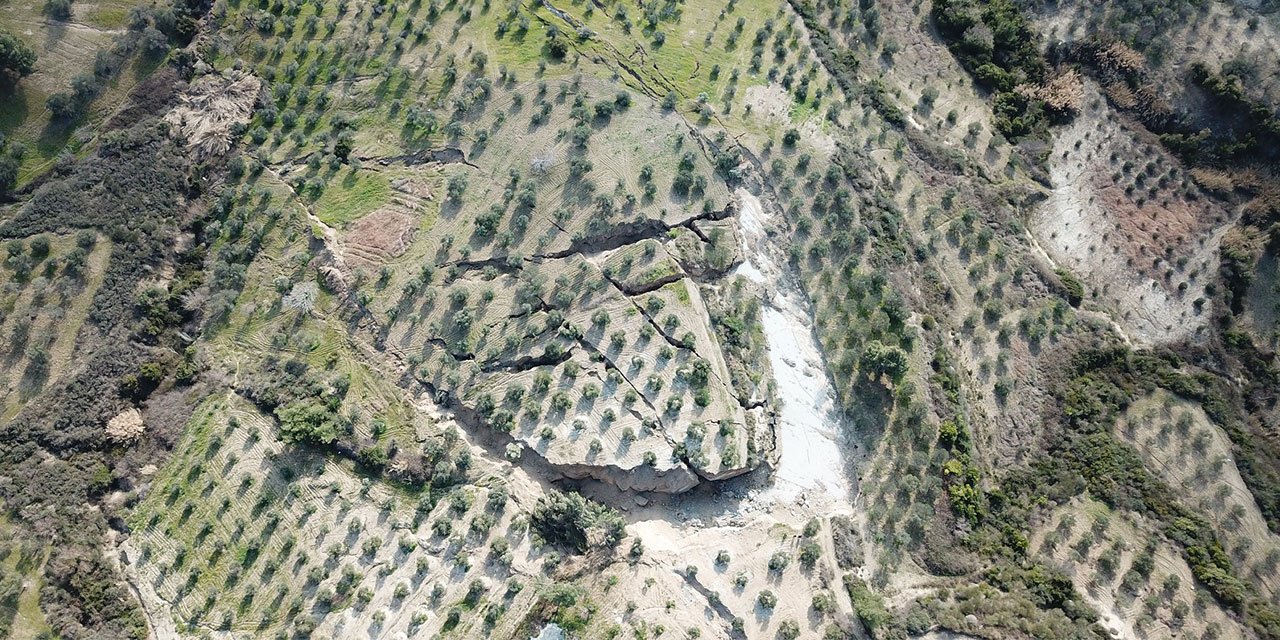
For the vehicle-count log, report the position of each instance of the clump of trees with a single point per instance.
(871, 610)
(574, 521)
(10, 159)
(879, 359)
(994, 42)
(308, 420)
(67, 105)
(1256, 130)
(58, 9)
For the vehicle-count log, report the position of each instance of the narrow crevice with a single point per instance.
(503, 264)
(676, 343)
(714, 603)
(542, 306)
(645, 84)
(698, 232)
(616, 55)
(650, 286)
(443, 155)
(496, 442)
(630, 233)
(645, 314)
(526, 363)
(684, 458)
(609, 361)
(614, 237)
(662, 424)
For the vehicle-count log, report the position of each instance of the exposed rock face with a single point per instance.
(675, 479)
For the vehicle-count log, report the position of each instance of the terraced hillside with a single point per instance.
(602, 319)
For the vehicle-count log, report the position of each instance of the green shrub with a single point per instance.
(880, 359)
(767, 599)
(307, 421)
(1072, 285)
(871, 611)
(810, 551)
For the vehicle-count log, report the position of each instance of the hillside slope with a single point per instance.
(354, 318)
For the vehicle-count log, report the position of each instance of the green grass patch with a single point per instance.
(659, 272)
(801, 111)
(679, 290)
(109, 16)
(351, 195)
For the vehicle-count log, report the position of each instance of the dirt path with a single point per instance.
(1044, 255)
(157, 612)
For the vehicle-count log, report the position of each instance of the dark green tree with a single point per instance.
(16, 58)
(880, 359)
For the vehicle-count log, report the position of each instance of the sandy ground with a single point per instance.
(810, 458)
(158, 612)
(1080, 229)
(550, 632)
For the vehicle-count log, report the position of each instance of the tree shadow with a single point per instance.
(13, 105)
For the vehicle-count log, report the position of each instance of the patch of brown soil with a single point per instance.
(382, 234)
(1151, 229)
(1131, 223)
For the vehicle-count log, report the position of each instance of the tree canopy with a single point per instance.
(570, 519)
(881, 359)
(16, 58)
(307, 421)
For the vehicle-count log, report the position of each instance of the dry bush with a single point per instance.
(1063, 94)
(1264, 209)
(1121, 96)
(125, 426)
(210, 109)
(1214, 180)
(1120, 58)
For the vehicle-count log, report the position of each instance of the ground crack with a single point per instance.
(443, 155)
(714, 603)
(526, 363)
